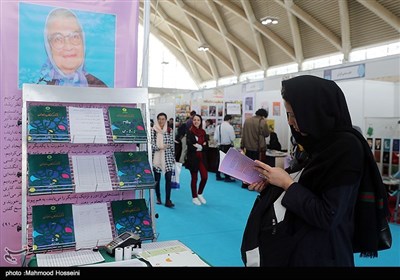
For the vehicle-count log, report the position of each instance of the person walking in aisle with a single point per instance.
(254, 131)
(196, 161)
(339, 203)
(162, 144)
(224, 135)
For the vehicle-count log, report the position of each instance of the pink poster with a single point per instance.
(98, 47)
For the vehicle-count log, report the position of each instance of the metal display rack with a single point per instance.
(33, 94)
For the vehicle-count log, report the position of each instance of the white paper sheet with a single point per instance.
(69, 258)
(91, 225)
(87, 125)
(91, 173)
(233, 109)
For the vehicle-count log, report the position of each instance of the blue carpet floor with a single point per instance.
(214, 230)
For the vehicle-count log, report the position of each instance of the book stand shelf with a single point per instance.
(89, 97)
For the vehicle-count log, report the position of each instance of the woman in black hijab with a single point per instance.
(339, 202)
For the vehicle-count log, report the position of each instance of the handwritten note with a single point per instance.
(87, 125)
(91, 173)
(92, 225)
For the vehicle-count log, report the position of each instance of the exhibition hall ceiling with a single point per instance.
(238, 42)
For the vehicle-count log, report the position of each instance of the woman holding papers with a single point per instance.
(197, 144)
(339, 202)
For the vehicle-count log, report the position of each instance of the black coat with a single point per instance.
(325, 131)
(318, 226)
(192, 161)
(327, 211)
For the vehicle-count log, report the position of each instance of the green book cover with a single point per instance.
(133, 169)
(132, 215)
(49, 173)
(127, 125)
(53, 226)
(47, 124)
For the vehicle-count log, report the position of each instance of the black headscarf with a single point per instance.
(321, 112)
(319, 106)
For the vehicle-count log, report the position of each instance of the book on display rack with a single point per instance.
(127, 125)
(53, 227)
(49, 173)
(132, 215)
(48, 124)
(133, 169)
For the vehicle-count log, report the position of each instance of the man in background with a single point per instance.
(254, 131)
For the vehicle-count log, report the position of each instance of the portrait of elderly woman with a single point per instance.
(65, 46)
(72, 47)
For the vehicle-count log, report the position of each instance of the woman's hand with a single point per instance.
(198, 147)
(258, 186)
(273, 175)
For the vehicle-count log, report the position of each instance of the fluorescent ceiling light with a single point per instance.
(203, 48)
(269, 20)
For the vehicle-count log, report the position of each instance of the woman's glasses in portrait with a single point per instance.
(57, 40)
